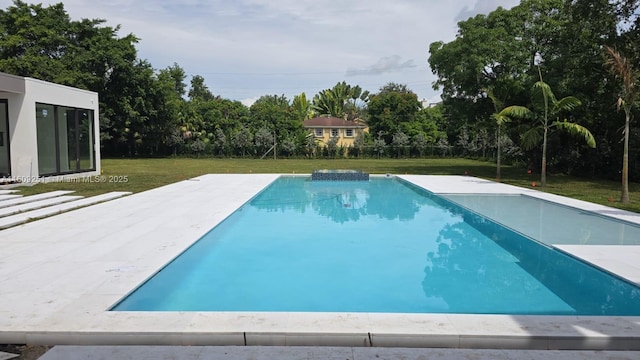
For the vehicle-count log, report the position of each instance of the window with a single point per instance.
(319, 132)
(65, 139)
(335, 132)
(348, 132)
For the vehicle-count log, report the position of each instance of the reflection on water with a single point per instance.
(480, 266)
(341, 201)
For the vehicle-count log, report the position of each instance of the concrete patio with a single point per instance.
(60, 275)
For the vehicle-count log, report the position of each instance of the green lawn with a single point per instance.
(143, 174)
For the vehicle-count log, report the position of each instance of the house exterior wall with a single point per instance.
(22, 95)
(343, 139)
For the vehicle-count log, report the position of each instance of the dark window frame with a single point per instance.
(8, 143)
(76, 142)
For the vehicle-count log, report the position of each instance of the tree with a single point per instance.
(544, 100)
(174, 140)
(443, 145)
(400, 142)
(43, 43)
(392, 108)
(359, 144)
(174, 75)
(310, 145)
(481, 142)
(359, 98)
(273, 113)
(215, 117)
(33, 41)
(301, 107)
(220, 141)
(487, 49)
(501, 51)
(288, 146)
(565, 37)
(133, 94)
(198, 146)
(169, 103)
(622, 68)
(341, 101)
(332, 147)
(464, 141)
(500, 118)
(379, 144)
(419, 143)
(263, 139)
(425, 125)
(242, 141)
(199, 90)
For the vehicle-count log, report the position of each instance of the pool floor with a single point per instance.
(383, 246)
(61, 274)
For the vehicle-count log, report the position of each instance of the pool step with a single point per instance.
(7, 192)
(34, 205)
(40, 210)
(31, 198)
(6, 197)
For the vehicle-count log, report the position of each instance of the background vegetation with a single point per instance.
(145, 174)
(495, 59)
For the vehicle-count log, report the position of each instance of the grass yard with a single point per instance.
(143, 174)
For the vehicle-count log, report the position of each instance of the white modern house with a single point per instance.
(47, 131)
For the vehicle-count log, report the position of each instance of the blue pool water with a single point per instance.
(549, 222)
(377, 246)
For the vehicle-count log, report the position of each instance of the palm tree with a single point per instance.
(552, 108)
(623, 70)
(500, 117)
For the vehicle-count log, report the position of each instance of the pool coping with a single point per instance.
(59, 276)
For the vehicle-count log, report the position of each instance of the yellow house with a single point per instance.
(324, 128)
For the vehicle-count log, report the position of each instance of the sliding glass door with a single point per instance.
(85, 140)
(65, 139)
(5, 163)
(46, 134)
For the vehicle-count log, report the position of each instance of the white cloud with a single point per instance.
(249, 101)
(383, 65)
(248, 48)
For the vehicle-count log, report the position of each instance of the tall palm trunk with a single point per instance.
(498, 155)
(543, 175)
(624, 198)
(623, 69)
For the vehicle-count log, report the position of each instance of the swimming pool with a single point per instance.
(377, 246)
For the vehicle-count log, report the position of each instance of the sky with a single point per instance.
(245, 49)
